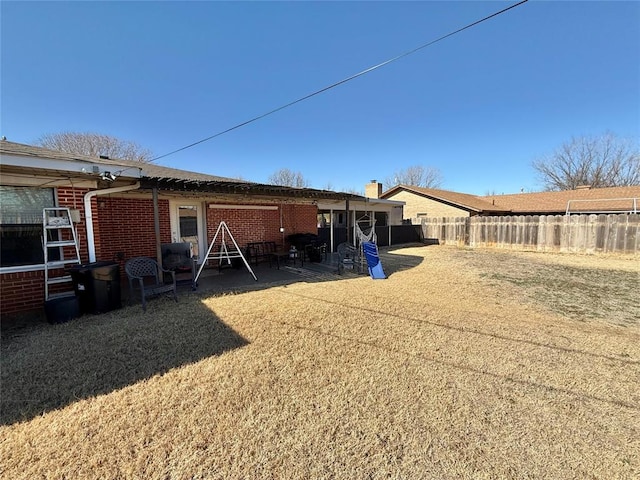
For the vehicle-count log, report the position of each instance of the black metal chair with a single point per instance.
(348, 258)
(177, 257)
(147, 274)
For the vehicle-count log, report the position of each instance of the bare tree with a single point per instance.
(416, 175)
(95, 145)
(329, 186)
(352, 190)
(598, 161)
(287, 178)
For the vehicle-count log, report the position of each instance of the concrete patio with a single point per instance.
(230, 279)
(215, 281)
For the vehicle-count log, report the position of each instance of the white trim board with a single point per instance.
(243, 207)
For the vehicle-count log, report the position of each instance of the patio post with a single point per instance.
(156, 224)
(332, 225)
(348, 219)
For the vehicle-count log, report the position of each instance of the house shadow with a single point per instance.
(391, 257)
(46, 367)
(214, 281)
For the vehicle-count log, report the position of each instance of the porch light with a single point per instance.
(107, 176)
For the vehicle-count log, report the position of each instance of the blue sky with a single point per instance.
(478, 106)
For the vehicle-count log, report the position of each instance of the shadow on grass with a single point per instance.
(47, 367)
(239, 280)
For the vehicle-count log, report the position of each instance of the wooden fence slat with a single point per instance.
(548, 233)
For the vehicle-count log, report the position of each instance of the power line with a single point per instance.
(348, 79)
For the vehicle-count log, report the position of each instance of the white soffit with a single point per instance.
(71, 166)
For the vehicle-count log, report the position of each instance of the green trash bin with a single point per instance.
(97, 286)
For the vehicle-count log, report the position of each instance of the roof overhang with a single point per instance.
(65, 168)
(235, 189)
(58, 167)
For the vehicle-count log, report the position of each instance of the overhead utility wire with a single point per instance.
(352, 77)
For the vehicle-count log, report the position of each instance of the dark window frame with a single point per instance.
(21, 230)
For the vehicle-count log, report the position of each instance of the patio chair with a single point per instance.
(148, 276)
(348, 257)
(177, 257)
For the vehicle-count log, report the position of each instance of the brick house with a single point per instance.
(114, 205)
(584, 200)
(433, 203)
(430, 202)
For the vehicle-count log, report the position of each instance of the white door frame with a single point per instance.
(200, 205)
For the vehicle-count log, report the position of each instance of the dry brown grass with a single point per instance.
(467, 365)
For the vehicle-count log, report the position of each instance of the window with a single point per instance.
(188, 225)
(382, 219)
(21, 224)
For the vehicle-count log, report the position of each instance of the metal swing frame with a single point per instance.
(224, 253)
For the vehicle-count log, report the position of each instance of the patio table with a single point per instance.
(284, 255)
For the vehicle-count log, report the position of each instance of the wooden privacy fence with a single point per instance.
(547, 233)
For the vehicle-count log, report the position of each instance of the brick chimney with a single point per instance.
(373, 189)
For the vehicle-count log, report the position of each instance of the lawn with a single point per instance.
(462, 364)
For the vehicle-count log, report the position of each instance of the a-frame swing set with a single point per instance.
(225, 253)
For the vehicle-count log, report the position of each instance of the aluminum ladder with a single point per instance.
(58, 234)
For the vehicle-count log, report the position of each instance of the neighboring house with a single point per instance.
(429, 203)
(368, 211)
(114, 203)
(583, 200)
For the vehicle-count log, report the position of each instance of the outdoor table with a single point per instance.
(284, 255)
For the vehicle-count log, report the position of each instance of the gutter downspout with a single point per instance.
(88, 216)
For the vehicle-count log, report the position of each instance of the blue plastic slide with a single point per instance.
(373, 260)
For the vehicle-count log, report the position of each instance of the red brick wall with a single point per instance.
(24, 291)
(127, 227)
(124, 228)
(300, 219)
(119, 224)
(74, 198)
(249, 225)
(21, 292)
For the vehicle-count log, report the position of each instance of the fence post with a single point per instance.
(547, 233)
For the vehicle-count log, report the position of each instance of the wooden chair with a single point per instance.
(147, 273)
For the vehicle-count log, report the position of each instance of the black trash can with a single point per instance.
(97, 286)
(62, 309)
